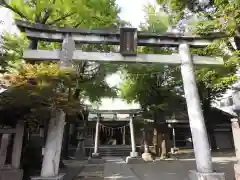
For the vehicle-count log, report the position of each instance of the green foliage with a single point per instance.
(13, 47)
(35, 86)
(216, 16)
(156, 20)
(66, 12)
(53, 86)
(142, 81)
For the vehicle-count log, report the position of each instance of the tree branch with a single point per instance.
(78, 24)
(61, 18)
(15, 10)
(47, 14)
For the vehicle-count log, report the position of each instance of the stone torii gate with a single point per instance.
(129, 39)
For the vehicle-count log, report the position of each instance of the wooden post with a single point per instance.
(124, 135)
(174, 137)
(196, 120)
(17, 146)
(52, 150)
(3, 150)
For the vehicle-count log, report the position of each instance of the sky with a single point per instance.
(131, 11)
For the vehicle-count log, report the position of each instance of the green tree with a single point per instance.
(153, 86)
(84, 14)
(212, 81)
(214, 16)
(52, 85)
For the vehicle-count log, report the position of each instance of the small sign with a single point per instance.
(128, 41)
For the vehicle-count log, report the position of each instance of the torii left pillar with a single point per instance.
(197, 125)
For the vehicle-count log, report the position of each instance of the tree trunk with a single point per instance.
(145, 139)
(66, 134)
(52, 150)
(163, 142)
(163, 147)
(45, 133)
(155, 140)
(66, 141)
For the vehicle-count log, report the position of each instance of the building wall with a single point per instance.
(222, 133)
(224, 140)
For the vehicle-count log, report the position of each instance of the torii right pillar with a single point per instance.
(196, 120)
(236, 135)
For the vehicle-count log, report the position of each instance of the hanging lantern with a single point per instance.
(128, 41)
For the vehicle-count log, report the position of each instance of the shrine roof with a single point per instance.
(116, 111)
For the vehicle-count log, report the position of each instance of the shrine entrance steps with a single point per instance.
(115, 150)
(111, 150)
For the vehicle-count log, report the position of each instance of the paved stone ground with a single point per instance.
(178, 169)
(116, 168)
(72, 169)
(93, 171)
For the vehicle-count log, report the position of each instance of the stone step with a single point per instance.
(115, 152)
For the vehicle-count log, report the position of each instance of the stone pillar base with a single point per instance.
(133, 154)
(96, 156)
(11, 174)
(58, 177)
(134, 160)
(194, 175)
(95, 159)
(237, 171)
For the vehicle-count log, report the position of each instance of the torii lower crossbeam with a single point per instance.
(43, 55)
